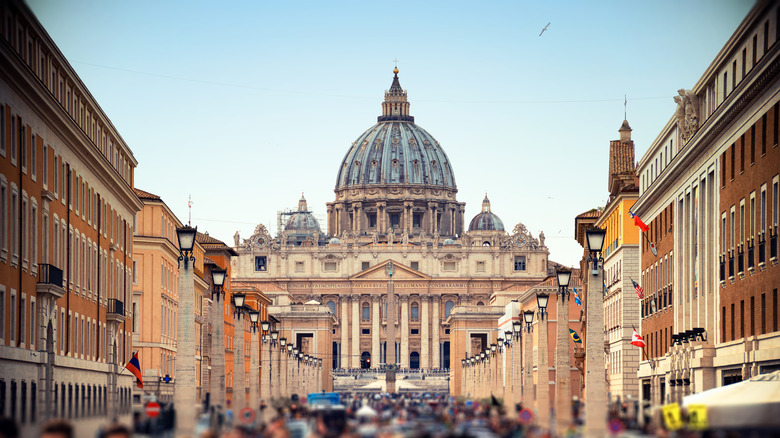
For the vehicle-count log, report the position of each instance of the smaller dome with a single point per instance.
(448, 242)
(334, 241)
(303, 220)
(486, 220)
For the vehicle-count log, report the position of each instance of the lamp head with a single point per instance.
(238, 300)
(274, 335)
(595, 238)
(254, 316)
(500, 342)
(186, 236)
(218, 277)
(563, 275)
(283, 342)
(265, 325)
(541, 301)
(529, 316)
(517, 326)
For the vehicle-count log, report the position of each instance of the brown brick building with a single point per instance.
(709, 193)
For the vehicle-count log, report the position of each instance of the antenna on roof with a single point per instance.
(625, 107)
(189, 206)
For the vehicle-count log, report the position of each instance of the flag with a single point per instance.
(575, 337)
(577, 299)
(135, 367)
(637, 340)
(638, 222)
(639, 292)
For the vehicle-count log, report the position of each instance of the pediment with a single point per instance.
(400, 272)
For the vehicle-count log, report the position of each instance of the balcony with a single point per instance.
(723, 268)
(761, 250)
(116, 311)
(731, 264)
(50, 281)
(773, 246)
(751, 256)
(741, 261)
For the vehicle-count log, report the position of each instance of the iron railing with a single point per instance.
(116, 307)
(49, 274)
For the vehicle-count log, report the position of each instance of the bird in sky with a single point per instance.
(545, 28)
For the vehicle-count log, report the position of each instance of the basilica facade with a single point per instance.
(395, 200)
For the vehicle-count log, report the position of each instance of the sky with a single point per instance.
(244, 105)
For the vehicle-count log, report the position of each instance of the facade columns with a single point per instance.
(424, 334)
(562, 369)
(344, 322)
(435, 326)
(404, 331)
(239, 367)
(355, 331)
(375, 330)
(254, 370)
(381, 217)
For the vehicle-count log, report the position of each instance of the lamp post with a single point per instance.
(517, 357)
(390, 365)
(282, 354)
(254, 360)
(267, 366)
(185, 386)
(543, 367)
(275, 375)
(217, 379)
(239, 361)
(562, 359)
(288, 389)
(529, 399)
(595, 381)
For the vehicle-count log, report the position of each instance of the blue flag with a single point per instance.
(577, 297)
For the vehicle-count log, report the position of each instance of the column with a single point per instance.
(217, 380)
(355, 331)
(435, 326)
(239, 367)
(254, 370)
(424, 333)
(185, 388)
(344, 322)
(543, 376)
(283, 373)
(265, 372)
(404, 331)
(376, 326)
(595, 381)
(562, 369)
(276, 375)
(528, 377)
(381, 216)
(517, 366)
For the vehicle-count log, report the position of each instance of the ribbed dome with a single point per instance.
(303, 220)
(486, 220)
(395, 151)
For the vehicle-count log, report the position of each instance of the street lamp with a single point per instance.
(596, 407)
(218, 279)
(595, 240)
(493, 349)
(541, 303)
(185, 391)
(254, 317)
(528, 316)
(265, 325)
(274, 337)
(562, 359)
(563, 275)
(186, 236)
(238, 302)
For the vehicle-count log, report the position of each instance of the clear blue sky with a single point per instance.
(246, 104)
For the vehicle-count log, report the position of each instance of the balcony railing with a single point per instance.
(49, 274)
(116, 307)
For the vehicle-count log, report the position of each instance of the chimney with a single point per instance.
(625, 132)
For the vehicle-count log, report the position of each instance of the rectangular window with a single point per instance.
(763, 135)
(416, 266)
(755, 49)
(480, 266)
(299, 267)
(33, 157)
(364, 266)
(734, 75)
(260, 263)
(449, 266)
(742, 318)
(752, 311)
(365, 331)
(22, 320)
(742, 154)
(763, 313)
(2, 326)
(4, 220)
(395, 220)
(2, 138)
(371, 220)
(519, 263)
(417, 220)
(752, 144)
(415, 331)
(330, 266)
(733, 159)
(32, 324)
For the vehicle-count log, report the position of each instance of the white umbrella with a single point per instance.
(752, 403)
(366, 412)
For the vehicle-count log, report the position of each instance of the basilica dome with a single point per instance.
(486, 220)
(396, 151)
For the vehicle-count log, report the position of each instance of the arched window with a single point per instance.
(415, 312)
(486, 243)
(480, 303)
(448, 308)
(365, 360)
(366, 311)
(332, 306)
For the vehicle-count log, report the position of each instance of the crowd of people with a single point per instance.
(62, 429)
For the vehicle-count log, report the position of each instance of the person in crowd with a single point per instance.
(57, 429)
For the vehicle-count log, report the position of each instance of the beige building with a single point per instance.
(395, 200)
(155, 298)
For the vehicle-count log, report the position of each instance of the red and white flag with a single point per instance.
(637, 340)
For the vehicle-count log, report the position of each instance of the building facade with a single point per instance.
(708, 191)
(395, 201)
(66, 212)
